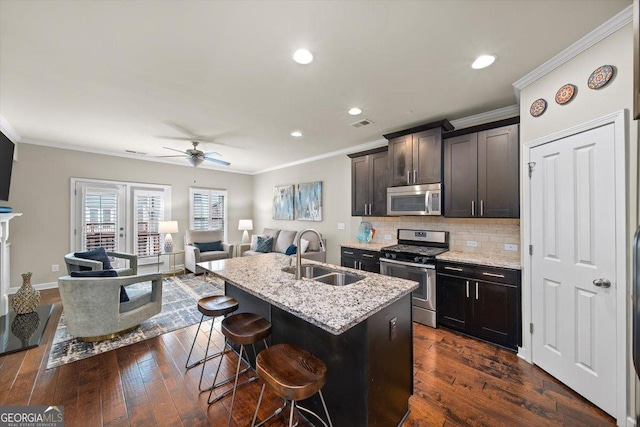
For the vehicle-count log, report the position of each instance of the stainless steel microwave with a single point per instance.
(415, 200)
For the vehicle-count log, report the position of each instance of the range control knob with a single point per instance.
(393, 256)
(416, 259)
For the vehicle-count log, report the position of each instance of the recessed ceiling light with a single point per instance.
(302, 56)
(355, 111)
(483, 61)
(296, 133)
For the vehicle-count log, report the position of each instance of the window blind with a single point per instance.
(100, 217)
(148, 213)
(208, 209)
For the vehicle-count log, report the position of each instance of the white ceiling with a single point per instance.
(111, 75)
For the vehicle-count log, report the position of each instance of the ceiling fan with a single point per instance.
(196, 157)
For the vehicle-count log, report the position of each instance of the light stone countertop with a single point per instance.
(332, 308)
(371, 246)
(480, 259)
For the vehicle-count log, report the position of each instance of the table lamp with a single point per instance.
(245, 224)
(166, 228)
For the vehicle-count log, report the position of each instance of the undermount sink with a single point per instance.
(326, 275)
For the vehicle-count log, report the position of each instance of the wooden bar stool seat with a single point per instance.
(241, 329)
(212, 306)
(294, 374)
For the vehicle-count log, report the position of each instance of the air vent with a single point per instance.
(360, 123)
(135, 152)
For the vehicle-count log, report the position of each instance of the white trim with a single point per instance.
(630, 422)
(40, 287)
(8, 130)
(489, 116)
(129, 156)
(619, 119)
(621, 19)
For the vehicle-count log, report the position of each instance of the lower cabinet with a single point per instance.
(481, 301)
(360, 259)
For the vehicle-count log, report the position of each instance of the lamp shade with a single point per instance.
(165, 227)
(245, 224)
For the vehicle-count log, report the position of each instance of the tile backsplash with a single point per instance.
(491, 235)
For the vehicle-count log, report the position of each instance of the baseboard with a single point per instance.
(631, 422)
(40, 287)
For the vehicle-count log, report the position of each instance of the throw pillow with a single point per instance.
(102, 273)
(98, 254)
(291, 250)
(209, 246)
(265, 244)
(254, 240)
(304, 245)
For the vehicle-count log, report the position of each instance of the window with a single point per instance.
(119, 216)
(208, 209)
(148, 214)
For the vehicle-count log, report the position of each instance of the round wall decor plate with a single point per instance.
(538, 107)
(565, 94)
(600, 77)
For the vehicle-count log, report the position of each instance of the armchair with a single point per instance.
(76, 264)
(93, 310)
(193, 255)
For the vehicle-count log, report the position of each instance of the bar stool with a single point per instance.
(241, 329)
(211, 306)
(294, 374)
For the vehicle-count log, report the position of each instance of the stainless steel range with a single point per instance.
(414, 258)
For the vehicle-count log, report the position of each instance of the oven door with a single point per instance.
(425, 275)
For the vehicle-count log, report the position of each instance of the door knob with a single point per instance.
(602, 283)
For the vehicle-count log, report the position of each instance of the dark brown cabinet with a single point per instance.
(360, 259)
(369, 174)
(480, 301)
(481, 174)
(415, 155)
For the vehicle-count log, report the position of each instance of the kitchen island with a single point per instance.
(362, 331)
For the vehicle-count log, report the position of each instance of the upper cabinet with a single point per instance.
(369, 173)
(415, 155)
(481, 173)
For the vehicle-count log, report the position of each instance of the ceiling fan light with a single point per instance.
(195, 161)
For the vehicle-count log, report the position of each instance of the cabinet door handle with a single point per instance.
(408, 177)
(355, 264)
(415, 176)
(348, 253)
(369, 208)
(368, 255)
(446, 267)
(476, 290)
(473, 208)
(360, 263)
(481, 207)
(467, 289)
(493, 275)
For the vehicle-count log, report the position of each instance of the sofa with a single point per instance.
(282, 240)
(206, 251)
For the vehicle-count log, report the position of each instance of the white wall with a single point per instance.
(40, 189)
(616, 50)
(335, 174)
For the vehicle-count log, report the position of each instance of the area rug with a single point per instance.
(179, 310)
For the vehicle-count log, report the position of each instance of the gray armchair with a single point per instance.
(92, 307)
(76, 264)
(193, 255)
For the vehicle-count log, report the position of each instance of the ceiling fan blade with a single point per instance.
(222, 162)
(212, 153)
(178, 151)
(186, 157)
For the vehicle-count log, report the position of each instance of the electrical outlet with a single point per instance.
(472, 243)
(55, 267)
(387, 237)
(510, 247)
(341, 226)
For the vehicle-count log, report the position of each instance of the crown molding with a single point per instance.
(8, 130)
(362, 147)
(618, 21)
(126, 155)
(489, 116)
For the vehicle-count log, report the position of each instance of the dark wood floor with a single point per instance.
(459, 381)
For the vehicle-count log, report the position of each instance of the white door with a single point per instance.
(573, 262)
(100, 217)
